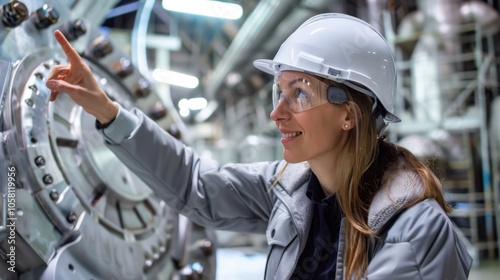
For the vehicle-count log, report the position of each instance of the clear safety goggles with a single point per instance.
(300, 91)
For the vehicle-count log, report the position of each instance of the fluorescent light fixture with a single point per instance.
(197, 103)
(183, 103)
(233, 78)
(193, 104)
(204, 8)
(175, 78)
(184, 112)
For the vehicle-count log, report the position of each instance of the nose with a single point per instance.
(281, 111)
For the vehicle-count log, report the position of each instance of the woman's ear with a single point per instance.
(350, 119)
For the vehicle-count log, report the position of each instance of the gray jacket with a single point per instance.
(420, 242)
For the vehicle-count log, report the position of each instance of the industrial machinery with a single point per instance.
(70, 208)
(447, 59)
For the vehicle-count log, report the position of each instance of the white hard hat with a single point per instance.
(344, 49)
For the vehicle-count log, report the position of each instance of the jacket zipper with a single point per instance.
(296, 258)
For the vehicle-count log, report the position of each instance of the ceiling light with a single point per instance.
(183, 103)
(204, 8)
(175, 78)
(193, 104)
(233, 78)
(184, 112)
(197, 103)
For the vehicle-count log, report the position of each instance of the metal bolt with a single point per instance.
(14, 13)
(207, 247)
(39, 161)
(148, 259)
(79, 27)
(101, 46)
(54, 195)
(72, 30)
(47, 179)
(29, 102)
(158, 111)
(162, 246)
(162, 249)
(123, 67)
(156, 254)
(142, 88)
(71, 217)
(33, 88)
(45, 16)
(39, 75)
(192, 271)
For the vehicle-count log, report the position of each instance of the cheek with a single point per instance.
(325, 129)
(326, 123)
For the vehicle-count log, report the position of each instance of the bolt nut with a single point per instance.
(54, 195)
(207, 247)
(14, 13)
(101, 46)
(29, 102)
(142, 88)
(47, 179)
(71, 217)
(39, 75)
(45, 16)
(33, 88)
(39, 161)
(123, 67)
(158, 111)
(156, 253)
(148, 259)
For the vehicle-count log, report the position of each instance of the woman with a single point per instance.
(342, 204)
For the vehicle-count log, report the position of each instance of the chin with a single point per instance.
(291, 158)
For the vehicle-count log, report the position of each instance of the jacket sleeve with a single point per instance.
(421, 244)
(230, 197)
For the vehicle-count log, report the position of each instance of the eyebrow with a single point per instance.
(291, 83)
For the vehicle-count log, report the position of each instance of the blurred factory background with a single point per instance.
(82, 215)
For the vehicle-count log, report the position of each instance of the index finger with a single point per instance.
(71, 54)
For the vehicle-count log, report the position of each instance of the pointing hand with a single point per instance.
(77, 81)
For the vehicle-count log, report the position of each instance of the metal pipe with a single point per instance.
(375, 10)
(140, 30)
(266, 15)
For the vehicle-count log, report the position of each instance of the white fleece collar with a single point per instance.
(404, 187)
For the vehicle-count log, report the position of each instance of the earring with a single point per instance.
(346, 126)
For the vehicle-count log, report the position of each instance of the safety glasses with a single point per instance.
(300, 91)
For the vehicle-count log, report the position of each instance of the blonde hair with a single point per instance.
(363, 164)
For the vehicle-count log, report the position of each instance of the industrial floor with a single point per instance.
(248, 263)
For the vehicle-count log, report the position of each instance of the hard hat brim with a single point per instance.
(267, 65)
